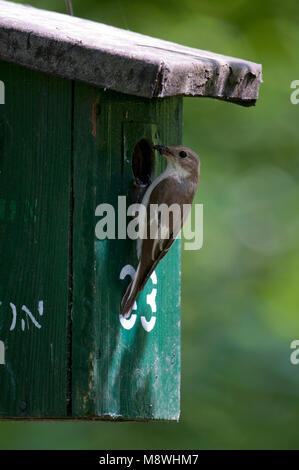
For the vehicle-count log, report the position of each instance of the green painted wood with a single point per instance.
(62, 148)
(35, 154)
(117, 372)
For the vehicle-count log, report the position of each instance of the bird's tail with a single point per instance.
(129, 297)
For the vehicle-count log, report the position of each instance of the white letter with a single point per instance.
(160, 221)
(2, 93)
(2, 353)
(197, 235)
(122, 219)
(293, 97)
(293, 357)
(108, 220)
(139, 221)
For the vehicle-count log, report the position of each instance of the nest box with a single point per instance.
(82, 105)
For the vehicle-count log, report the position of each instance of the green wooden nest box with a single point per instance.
(82, 104)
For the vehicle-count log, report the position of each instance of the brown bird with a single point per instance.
(176, 185)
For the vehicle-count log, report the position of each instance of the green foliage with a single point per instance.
(240, 291)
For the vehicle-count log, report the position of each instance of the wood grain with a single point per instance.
(120, 60)
(35, 152)
(119, 373)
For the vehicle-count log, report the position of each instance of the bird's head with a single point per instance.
(183, 159)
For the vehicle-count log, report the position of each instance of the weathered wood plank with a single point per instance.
(35, 150)
(121, 60)
(117, 372)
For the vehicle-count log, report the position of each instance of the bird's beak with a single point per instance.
(163, 150)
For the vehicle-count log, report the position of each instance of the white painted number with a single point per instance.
(128, 324)
(151, 301)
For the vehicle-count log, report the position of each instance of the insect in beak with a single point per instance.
(163, 150)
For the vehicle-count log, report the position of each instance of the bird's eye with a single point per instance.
(183, 154)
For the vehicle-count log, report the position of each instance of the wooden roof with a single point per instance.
(121, 60)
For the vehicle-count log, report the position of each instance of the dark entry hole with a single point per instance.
(143, 168)
(143, 163)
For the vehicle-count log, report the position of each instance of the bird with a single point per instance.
(176, 185)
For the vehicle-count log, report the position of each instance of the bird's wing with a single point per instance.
(168, 191)
(143, 215)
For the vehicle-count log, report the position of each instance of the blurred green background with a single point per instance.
(240, 300)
